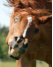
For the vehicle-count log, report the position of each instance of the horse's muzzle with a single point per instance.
(17, 48)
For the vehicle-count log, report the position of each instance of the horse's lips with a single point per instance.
(18, 50)
(11, 51)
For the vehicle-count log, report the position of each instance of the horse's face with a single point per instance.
(23, 27)
(21, 31)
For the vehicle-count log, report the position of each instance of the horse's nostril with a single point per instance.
(15, 38)
(18, 39)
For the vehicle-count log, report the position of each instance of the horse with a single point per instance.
(30, 36)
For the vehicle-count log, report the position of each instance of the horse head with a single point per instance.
(24, 25)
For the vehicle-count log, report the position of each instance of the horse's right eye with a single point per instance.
(16, 20)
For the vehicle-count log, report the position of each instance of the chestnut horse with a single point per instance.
(30, 35)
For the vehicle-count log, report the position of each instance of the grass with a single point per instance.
(7, 64)
(41, 64)
(13, 64)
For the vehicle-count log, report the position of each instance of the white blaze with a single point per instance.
(29, 21)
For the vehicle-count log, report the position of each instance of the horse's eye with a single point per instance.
(16, 20)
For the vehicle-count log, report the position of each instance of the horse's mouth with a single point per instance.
(18, 50)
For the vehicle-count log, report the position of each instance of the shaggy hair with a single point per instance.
(30, 3)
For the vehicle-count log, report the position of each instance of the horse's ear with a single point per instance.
(44, 19)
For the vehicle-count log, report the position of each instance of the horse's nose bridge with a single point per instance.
(10, 41)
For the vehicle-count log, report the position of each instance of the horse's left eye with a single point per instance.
(16, 20)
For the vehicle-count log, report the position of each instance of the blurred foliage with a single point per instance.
(3, 46)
